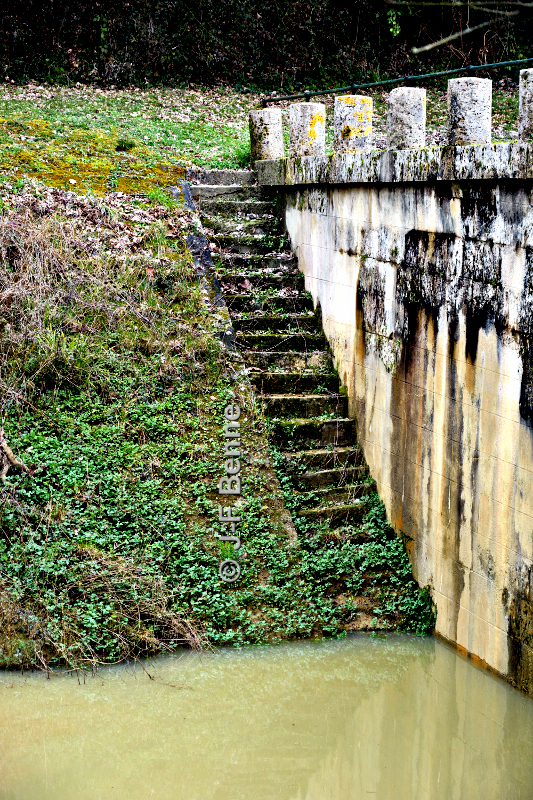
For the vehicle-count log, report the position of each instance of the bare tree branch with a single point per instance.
(471, 6)
(450, 38)
(499, 3)
(459, 3)
(9, 459)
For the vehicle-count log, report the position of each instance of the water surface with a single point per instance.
(399, 718)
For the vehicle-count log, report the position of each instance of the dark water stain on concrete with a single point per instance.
(475, 321)
(526, 342)
(519, 606)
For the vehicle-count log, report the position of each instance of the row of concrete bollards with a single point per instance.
(469, 120)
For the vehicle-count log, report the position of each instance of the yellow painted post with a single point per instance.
(352, 123)
(307, 123)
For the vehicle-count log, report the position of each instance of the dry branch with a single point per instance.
(450, 38)
(9, 459)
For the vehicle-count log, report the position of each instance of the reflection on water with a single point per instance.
(399, 718)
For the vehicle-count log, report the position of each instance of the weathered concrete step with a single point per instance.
(308, 433)
(299, 382)
(237, 281)
(302, 342)
(221, 177)
(256, 226)
(281, 262)
(260, 286)
(317, 362)
(334, 495)
(229, 207)
(261, 321)
(305, 406)
(247, 243)
(330, 478)
(250, 301)
(325, 458)
(284, 348)
(235, 192)
(273, 279)
(335, 516)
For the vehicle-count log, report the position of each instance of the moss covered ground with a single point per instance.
(113, 383)
(99, 141)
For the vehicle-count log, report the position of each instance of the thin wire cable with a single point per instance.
(352, 88)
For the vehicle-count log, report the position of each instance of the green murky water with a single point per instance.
(399, 718)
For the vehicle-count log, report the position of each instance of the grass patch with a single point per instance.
(119, 140)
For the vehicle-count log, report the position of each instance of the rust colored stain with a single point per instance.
(398, 522)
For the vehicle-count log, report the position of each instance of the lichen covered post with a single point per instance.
(406, 118)
(525, 113)
(352, 123)
(266, 134)
(307, 123)
(469, 111)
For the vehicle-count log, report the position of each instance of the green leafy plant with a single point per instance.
(124, 145)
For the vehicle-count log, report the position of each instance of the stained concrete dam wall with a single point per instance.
(422, 263)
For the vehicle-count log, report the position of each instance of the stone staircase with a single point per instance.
(280, 337)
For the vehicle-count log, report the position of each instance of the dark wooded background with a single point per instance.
(247, 43)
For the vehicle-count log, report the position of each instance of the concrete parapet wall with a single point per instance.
(501, 160)
(422, 263)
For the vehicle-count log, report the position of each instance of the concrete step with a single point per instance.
(284, 348)
(255, 226)
(325, 478)
(221, 177)
(254, 262)
(256, 244)
(299, 382)
(309, 433)
(318, 361)
(301, 342)
(228, 207)
(334, 495)
(254, 300)
(305, 406)
(236, 281)
(325, 458)
(261, 321)
(335, 515)
(234, 191)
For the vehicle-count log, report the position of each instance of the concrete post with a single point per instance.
(266, 134)
(307, 122)
(352, 123)
(406, 118)
(525, 112)
(469, 111)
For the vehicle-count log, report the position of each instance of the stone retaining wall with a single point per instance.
(422, 263)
